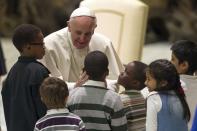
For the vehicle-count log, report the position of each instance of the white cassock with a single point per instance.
(65, 61)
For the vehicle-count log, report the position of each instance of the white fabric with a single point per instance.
(145, 92)
(191, 92)
(98, 83)
(154, 105)
(111, 84)
(55, 111)
(62, 59)
(82, 11)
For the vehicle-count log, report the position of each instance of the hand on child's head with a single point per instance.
(82, 79)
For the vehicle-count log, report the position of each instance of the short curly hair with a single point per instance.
(24, 34)
(96, 64)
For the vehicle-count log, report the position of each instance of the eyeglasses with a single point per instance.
(37, 43)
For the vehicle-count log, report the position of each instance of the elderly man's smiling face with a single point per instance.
(81, 29)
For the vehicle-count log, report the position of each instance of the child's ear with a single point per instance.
(28, 47)
(41, 99)
(163, 83)
(135, 82)
(106, 73)
(68, 25)
(66, 98)
(184, 66)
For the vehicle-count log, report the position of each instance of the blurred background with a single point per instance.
(168, 20)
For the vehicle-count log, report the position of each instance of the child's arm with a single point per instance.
(82, 126)
(153, 107)
(118, 117)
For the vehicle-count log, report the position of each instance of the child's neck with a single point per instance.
(131, 88)
(25, 54)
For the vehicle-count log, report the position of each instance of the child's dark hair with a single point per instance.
(140, 73)
(164, 70)
(24, 34)
(53, 92)
(96, 64)
(186, 50)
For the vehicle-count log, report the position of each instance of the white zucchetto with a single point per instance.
(82, 11)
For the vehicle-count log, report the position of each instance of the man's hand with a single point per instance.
(82, 79)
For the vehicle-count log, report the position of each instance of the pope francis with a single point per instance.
(66, 49)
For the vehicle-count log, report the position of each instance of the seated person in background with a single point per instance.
(100, 108)
(167, 108)
(132, 79)
(184, 58)
(20, 92)
(54, 94)
(66, 49)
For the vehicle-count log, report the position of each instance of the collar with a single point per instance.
(55, 111)
(188, 76)
(95, 83)
(152, 93)
(170, 92)
(130, 91)
(26, 59)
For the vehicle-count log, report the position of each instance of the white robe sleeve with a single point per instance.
(56, 57)
(115, 65)
(102, 43)
(49, 60)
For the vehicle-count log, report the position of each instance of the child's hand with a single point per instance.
(82, 79)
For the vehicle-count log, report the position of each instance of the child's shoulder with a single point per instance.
(153, 95)
(38, 68)
(37, 65)
(74, 115)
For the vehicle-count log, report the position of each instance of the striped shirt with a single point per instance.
(59, 120)
(135, 108)
(100, 109)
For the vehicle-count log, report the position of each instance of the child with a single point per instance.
(54, 94)
(20, 92)
(100, 108)
(167, 109)
(132, 79)
(184, 54)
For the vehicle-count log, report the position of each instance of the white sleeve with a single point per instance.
(71, 85)
(49, 60)
(115, 64)
(145, 92)
(183, 85)
(153, 107)
(112, 85)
